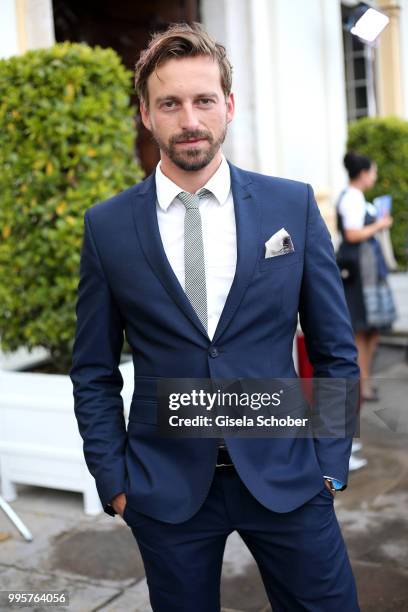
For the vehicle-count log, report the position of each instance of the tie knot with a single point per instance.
(192, 200)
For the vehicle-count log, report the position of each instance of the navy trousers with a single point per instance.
(300, 554)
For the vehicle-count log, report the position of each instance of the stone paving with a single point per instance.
(96, 560)
(399, 284)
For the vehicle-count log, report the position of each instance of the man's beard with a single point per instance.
(194, 158)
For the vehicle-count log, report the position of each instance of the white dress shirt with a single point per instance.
(219, 235)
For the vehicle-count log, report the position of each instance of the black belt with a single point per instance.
(223, 458)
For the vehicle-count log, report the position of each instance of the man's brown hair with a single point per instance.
(180, 40)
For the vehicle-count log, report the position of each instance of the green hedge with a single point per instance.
(66, 142)
(385, 140)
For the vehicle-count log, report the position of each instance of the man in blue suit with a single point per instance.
(179, 263)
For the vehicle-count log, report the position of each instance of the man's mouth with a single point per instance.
(193, 141)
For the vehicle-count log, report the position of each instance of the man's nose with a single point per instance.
(189, 118)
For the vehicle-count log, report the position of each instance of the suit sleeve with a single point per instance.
(325, 321)
(96, 378)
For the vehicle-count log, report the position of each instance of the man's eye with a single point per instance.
(168, 104)
(206, 101)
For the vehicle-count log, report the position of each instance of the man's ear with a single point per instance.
(144, 113)
(230, 103)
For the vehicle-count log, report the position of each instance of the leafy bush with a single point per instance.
(66, 142)
(385, 140)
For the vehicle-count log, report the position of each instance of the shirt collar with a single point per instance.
(219, 184)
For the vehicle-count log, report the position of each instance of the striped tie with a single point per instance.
(194, 262)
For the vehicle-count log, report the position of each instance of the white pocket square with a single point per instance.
(280, 243)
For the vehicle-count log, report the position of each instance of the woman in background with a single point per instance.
(363, 270)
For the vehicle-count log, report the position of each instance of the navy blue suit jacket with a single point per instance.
(127, 284)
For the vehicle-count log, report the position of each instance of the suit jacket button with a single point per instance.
(213, 351)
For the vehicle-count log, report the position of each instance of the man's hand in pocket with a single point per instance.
(118, 503)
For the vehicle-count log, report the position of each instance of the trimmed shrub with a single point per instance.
(66, 142)
(385, 140)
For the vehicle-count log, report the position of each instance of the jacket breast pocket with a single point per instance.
(279, 261)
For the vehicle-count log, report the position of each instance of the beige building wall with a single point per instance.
(404, 55)
(389, 75)
(24, 25)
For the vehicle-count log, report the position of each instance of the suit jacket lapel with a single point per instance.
(147, 227)
(248, 227)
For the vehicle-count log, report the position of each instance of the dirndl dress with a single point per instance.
(364, 274)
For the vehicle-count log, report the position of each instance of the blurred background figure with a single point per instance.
(364, 271)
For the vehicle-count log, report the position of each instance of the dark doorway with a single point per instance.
(123, 25)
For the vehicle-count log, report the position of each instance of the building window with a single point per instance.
(359, 65)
